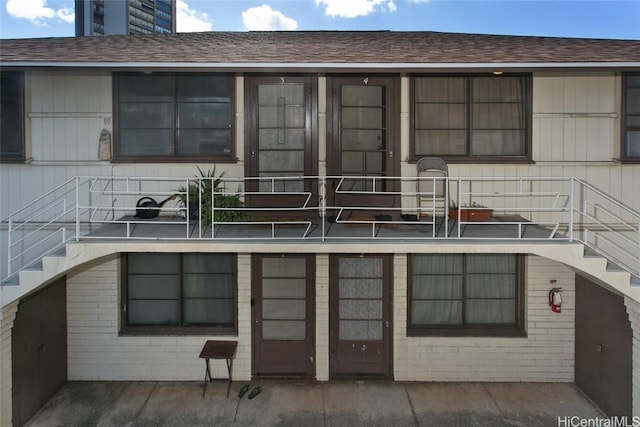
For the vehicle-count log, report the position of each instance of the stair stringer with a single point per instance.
(79, 253)
(594, 267)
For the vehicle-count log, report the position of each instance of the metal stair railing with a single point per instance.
(608, 226)
(38, 229)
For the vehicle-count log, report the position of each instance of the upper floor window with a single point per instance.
(177, 293)
(470, 294)
(471, 118)
(631, 123)
(173, 117)
(11, 116)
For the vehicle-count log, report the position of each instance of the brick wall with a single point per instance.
(546, 354)
(96, 352)
(322, 317)
(633, 309)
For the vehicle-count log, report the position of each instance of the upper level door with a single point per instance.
(363, 140)
(280, 139)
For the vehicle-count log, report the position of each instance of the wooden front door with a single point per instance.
(283, 315)
(360, 315)
(603, 347)
(39, 350)
(363, 140)
(280, 140)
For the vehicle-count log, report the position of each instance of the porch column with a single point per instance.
(322, 317)
(633, 309)
(242, 363)
(322, 126)
(7, 317)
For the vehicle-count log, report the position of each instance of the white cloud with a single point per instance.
(264, 18)
(37, 11)
(354, 8)
(67, 15)
(190, 20)
(391, 6)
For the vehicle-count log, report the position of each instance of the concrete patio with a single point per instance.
(334, 403)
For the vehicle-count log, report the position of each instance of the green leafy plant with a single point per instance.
(202, 188)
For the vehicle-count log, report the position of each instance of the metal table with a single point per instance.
(218, 350)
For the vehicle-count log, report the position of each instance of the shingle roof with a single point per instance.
(317, 47)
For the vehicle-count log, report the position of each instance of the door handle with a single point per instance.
(391, 154)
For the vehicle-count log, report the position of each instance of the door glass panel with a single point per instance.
(360, 330)
(275, 162)
(282, 288)
(360, 299)
(281, 133)
(363, 135)
(283, 299)
(286, 330)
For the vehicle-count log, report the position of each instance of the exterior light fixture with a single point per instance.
(497, 73)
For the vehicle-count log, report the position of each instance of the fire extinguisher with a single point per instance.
(555, 300)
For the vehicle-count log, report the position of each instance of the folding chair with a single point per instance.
(431, 193)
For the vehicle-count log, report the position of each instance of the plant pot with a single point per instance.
(470, 214)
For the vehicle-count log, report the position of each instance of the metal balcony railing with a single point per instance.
(321, 209)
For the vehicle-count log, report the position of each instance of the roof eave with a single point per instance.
(325, 67)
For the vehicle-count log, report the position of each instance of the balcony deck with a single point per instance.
(500, 227)
(311, 210)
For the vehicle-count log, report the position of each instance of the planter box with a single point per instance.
(471, 214)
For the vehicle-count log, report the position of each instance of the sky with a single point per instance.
(611, 19)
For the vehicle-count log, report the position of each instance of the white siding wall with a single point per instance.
(546, 354)
(576, 120)
(65, 113)
(575, 117)
(97, 352)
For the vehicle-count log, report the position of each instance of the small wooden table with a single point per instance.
(218, 350)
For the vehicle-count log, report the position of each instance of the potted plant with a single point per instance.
(201, 189)
(475, 212)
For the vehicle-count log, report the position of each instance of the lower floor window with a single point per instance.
(466, 294)
(171, 291)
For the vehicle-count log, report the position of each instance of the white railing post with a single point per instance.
(459, 197)
(572, 183)
(64, 227)
(200, 207)
(447, 195)
(9, 272)
(77, 191)
(583, 213)
(213, 207)
(322, 182)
